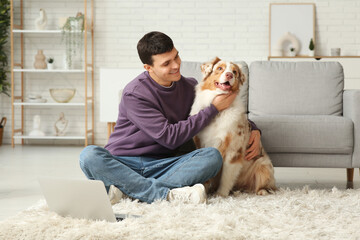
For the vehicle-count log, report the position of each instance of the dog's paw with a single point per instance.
(262, 192)
(221, 194)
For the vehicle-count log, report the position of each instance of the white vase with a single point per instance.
(50, 66)
(41, 21)
(311, 53)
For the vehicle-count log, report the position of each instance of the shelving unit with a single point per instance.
(18, 69)
(50, 71)
(310, 57)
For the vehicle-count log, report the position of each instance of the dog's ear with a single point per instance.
(242, 75)
(206, 68)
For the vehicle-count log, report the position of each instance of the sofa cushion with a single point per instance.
(296, 88)
(305, 133)
(192, 69)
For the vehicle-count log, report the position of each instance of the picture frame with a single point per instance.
(297, 19)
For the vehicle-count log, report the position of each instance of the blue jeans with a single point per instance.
(149, 179)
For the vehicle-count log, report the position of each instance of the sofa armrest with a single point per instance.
(351, 109)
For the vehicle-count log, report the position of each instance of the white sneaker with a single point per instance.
(194, 194)
(115, 195)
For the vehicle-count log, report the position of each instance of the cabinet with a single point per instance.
(350, 64)
(81, 108)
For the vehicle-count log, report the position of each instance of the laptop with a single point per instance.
(79, 199)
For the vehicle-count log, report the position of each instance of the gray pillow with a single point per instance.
(296, 88)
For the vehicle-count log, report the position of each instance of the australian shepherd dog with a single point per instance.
(229, 132)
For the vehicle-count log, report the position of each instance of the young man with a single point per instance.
(140, 159)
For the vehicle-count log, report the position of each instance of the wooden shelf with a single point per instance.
(49, 137)
(48, 71)
(269, 57)
(42, 31)
(50, 104)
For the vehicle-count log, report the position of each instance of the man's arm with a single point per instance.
(253, 149)
(152, 121)
(145, 116)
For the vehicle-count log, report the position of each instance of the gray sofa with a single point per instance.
(306, 118)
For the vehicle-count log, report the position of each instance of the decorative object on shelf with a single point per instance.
(35, 98)
(41, 21)
(2, 126)
(61, 22)
(4, 35)
(296, 18)
(61, 125)
(72, 36)
(311, 48)
(62, 95)
(36, 127)
(285, 43)
(40, 62)
(335, 51)
(50, 63)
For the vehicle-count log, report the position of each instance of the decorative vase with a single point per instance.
(335, 52)
(36, 131)
(311, 53)
(40, 62)
(41, 21)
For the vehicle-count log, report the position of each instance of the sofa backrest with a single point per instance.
(192, 69)
(296, 88)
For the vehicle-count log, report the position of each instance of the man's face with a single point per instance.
(165, 68)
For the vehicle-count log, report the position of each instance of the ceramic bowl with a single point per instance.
(62, 95)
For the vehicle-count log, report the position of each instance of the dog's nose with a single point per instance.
(229, 75)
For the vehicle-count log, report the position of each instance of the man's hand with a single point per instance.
(253, 149)
(223, 101)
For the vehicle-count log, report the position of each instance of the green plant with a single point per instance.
(50, 60)
(4, 35)
(72, 36)
(311, 45)
(292, 49)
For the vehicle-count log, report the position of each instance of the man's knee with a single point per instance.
(214, 158)
(88, 155)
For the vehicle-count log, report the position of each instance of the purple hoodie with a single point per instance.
(154, 120)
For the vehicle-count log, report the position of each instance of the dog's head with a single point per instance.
(222, 75)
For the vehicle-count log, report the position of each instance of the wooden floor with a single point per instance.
(20, 167)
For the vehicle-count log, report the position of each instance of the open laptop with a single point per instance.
(79, 199)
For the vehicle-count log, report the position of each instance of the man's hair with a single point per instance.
(153, 43)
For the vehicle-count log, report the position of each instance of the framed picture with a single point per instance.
(291, 28)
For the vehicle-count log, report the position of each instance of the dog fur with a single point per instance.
(229, 132)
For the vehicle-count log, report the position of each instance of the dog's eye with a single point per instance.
(220, 68)
(235, 72)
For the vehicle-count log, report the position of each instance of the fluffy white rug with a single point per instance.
(288, 214)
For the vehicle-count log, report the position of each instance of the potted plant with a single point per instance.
(72, 36)
(311, 48)
(50, 63)
(4, 34)
(292, 52)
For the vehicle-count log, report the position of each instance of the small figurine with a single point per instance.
(61, 125)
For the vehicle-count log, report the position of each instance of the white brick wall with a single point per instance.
(201, 29)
